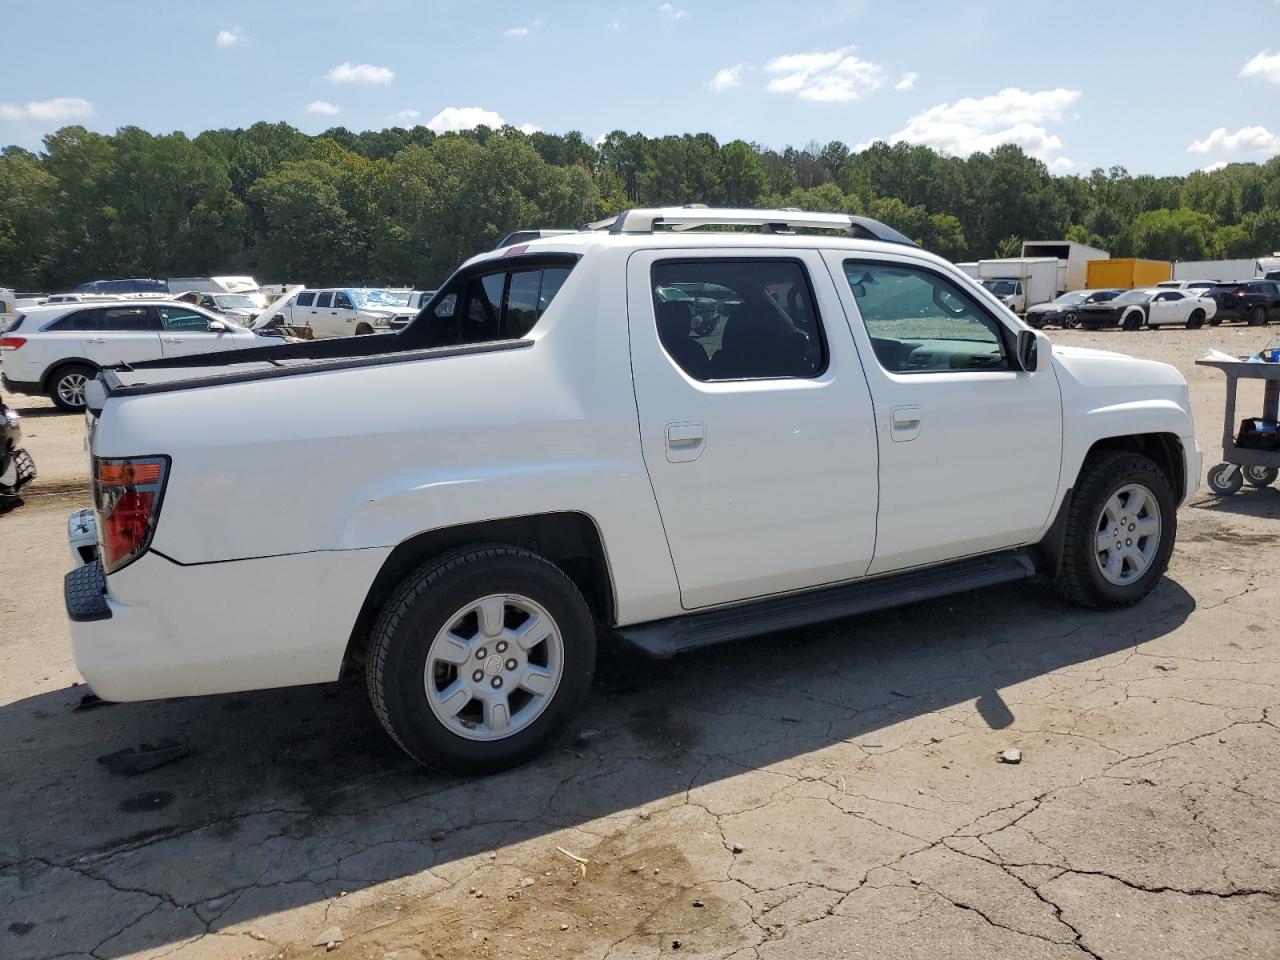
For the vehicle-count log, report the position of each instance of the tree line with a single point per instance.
(405, 206)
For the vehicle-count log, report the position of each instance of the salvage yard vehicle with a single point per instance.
(55, 350)
(346, 311)
(17, 469)
(1065, 310)
(1255, 301)
(240, 307)
(549, 455)
(1151, 307)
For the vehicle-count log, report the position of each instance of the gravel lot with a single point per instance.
(821, 793)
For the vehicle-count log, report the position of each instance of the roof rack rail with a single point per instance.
(693, 216)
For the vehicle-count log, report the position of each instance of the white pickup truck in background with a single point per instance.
(345, 311)
(552, 454)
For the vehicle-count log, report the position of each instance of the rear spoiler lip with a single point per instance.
(113, 386)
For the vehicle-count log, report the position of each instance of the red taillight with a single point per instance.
(11, 343)
(127, 494)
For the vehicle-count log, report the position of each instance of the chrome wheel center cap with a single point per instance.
(493, 666)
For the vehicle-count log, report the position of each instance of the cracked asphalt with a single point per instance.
(832, 792)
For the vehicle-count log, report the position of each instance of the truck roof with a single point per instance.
(667, 227)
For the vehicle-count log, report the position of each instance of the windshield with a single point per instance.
(1068, 298)
(1001, 288)
(379, 298)
(240, 286)
(1132, 296)
(235, 301)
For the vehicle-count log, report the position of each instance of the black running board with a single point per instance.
(666, 638)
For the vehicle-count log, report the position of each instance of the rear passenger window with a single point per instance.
(738, 319)
(324, 299)
(921, 322)
(494, 306)
(128, 318)
(306, 299)
(80, 320)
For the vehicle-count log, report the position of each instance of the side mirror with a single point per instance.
(1034, 351)
(217, 326)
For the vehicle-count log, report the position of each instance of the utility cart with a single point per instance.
(1255, 464)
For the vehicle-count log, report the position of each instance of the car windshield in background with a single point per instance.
(1069, 298)
(1001, 288)
(1133, 296)
(235, 301)
(379, 298)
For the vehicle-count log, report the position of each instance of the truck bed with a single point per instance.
(281, 360)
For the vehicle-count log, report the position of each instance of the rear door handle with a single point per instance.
(173, 340)
(904, 423)
(685, 441)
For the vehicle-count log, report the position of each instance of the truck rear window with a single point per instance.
(501, 305)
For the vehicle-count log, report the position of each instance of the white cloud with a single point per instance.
(527, 128)
(1265, 66)
(824, 76)
(1213, 167)
(726, 79)
(323, 107)
(360, 73)
(452, 119)
(58, 109)
(523, 31)
(972, 125)
(615, 25)
(1061, 165)
(1257, 140)
(229, 38)
(403, 116)
(673, 13)
(908, 81)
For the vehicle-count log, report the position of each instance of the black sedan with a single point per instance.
(1065, 310)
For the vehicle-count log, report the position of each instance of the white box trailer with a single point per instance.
(969, 267)
(1224, 270)
(1073, 260)
(1020, 282)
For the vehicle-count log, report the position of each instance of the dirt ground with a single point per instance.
(832, 792)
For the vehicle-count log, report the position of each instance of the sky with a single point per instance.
(1157, 87)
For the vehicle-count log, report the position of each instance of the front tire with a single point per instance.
(1121, 525)
(481, 658)
(1132, 320)
(1225, 479)
(1070, 321)
(364, 330)
(66, 389)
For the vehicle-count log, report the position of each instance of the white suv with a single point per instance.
(554, 453)
(54, 350)
(346, 311)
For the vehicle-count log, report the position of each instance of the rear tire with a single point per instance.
(449, 673)
(1196, 320)
(1133, 488)
(66, 389)
(1260, 476)
(1257, 316)
(1133, 320)
(1225, 479)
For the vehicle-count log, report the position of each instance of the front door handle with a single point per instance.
(173, 340)
(685, 441)
(904, 423)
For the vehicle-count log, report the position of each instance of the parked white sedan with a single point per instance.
(54, 350)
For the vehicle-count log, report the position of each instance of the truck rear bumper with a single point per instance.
(162, 629)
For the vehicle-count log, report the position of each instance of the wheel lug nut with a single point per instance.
(511, 664)
(478, 676)
(502, 646)
(1128, 543)
(482, 653)
(496, 682)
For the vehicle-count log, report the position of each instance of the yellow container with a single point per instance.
(1126, 272)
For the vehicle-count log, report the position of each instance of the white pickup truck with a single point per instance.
(551, 456)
